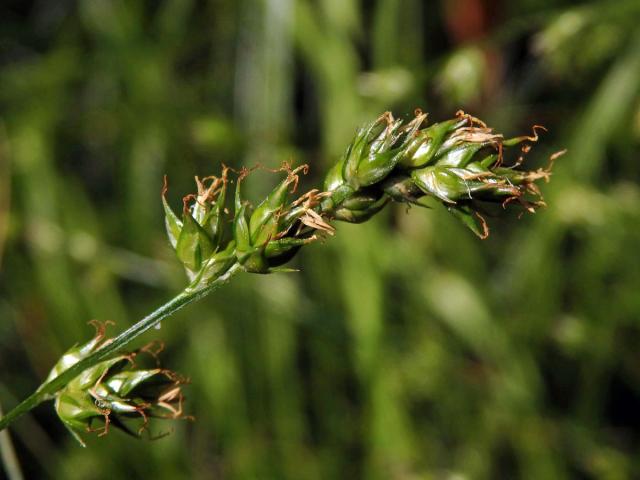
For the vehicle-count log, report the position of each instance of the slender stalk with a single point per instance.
(48, 389)
(9, 458)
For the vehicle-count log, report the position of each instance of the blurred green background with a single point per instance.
(405, 348)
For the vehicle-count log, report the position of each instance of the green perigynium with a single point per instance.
(460, 163)
(115, 391)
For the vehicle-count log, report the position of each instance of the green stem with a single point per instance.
(48, 389)
(9, 458)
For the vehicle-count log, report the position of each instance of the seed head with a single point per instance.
(460, 162)
(116, 391)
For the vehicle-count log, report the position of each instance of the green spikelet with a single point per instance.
(460, 162)
(115, 391)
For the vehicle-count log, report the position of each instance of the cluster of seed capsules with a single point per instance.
(116, 391)
(459, 162)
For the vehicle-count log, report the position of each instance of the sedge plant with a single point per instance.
(460, 163)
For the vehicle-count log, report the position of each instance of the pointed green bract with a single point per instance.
(75, 409)
(215, 196)
(470, 219)
(77, 353)
(371, 156)
(172, 223)
(425, 144)
(199, 233)
(123, 383)
(91, 375)
(264, 222)
(334, 178)
(194, 243)
(241, 232)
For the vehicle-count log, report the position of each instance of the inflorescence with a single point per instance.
(461, 163)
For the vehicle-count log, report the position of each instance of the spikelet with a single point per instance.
(116, 391)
